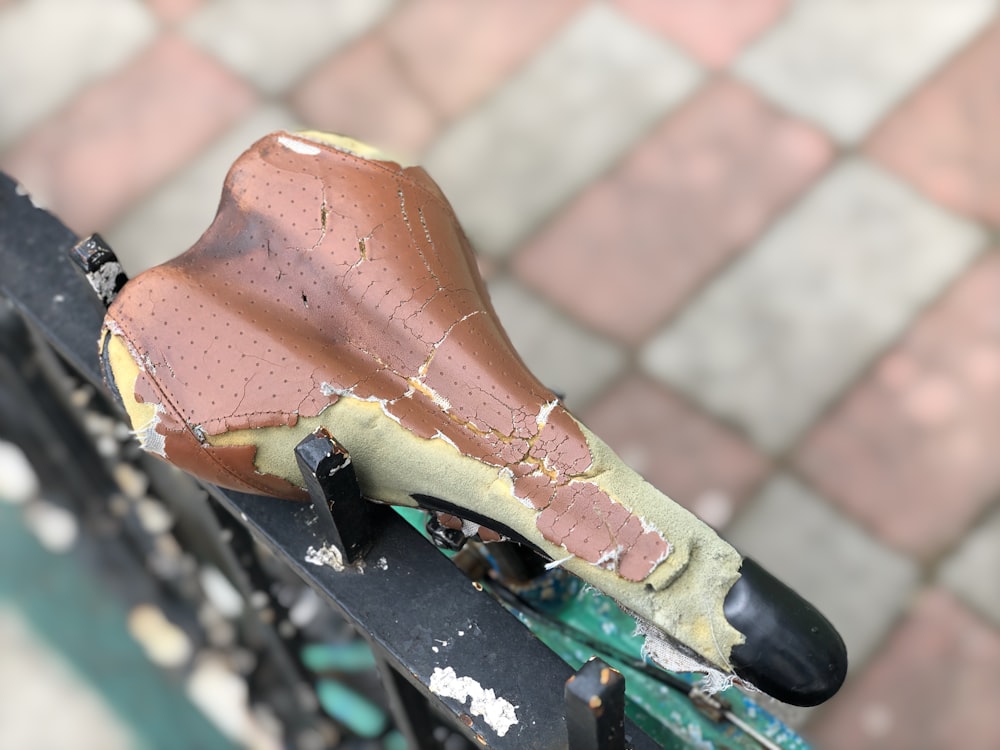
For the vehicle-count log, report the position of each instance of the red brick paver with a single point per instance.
(689, 456)
(123, 135)
(454, 52)
(686, 200)
(913, 450)
(429, 62)
(174, 11)
(934, 686)
(944, 139)
(365, 92)
(907, 453)
(714, 31)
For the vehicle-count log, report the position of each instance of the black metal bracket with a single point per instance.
(100, 265)
(419, 612)
(595, 708)
(442, 536)
(333, 487)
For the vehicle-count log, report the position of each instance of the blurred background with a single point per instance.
(753, 241)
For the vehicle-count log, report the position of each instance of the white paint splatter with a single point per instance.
(22, 191)
(417, 385)
(344, 465)
(500, 714)
(544, 413)
(103, 280)
(149, 439)
(506, 476)
(299, 147)
(328, 389)
(438, 435)
(325, 555)
(558, 563)
(609, 560)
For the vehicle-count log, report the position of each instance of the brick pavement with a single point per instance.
(753, 241)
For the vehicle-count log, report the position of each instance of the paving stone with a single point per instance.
(174, 11)
(912, 450)
(714, 31)
(971, 570)
(776, 336)
(942, 139)
(272, 43)
(934, 685)
(50, 49)
(454, 52)
(632, 248)
(365, 93)
(34, 681)
(122, 136)
(174, 216)
(563, 119)
(845, 64)
(680, 450)
(858, 583)
(562, 355)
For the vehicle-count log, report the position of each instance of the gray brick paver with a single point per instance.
(562, 354)
(781, 332)
(559, 122)
(274, 43)
(971, 570)
(174, 216)
(845, 64)
(858, 583)
(51, 50)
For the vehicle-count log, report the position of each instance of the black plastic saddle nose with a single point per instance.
(792, 652)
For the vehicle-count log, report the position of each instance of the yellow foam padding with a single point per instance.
(126, 370)
(683, 596)
(348, 145)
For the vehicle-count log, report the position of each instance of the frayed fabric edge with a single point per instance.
(662, 652)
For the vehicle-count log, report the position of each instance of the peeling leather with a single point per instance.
(329, 276)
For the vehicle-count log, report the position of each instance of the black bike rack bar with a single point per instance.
(420, 613)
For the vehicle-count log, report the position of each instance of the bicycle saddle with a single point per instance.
(335, 288)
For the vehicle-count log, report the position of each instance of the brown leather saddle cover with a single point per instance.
(324, 275)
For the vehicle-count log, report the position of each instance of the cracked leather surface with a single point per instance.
(339, 291)
(340, 286)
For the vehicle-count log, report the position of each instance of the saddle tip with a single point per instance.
(791, 652)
